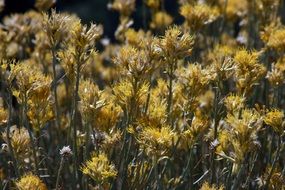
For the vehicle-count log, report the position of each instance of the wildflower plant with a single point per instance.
(184, 98)
(99, 169)
(30, 181)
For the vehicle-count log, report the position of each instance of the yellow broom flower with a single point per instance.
(275, 119)
(30, 182)
(99, 168)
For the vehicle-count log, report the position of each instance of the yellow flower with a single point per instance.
(26, 74)
(277, 39)
(40, 106)
(234, 9)
(107, 117)
(222, 64)
(224, 140)
(3, 48)
(157, 141)
(124, 7)
(32, 86)
(56, 27)
(30, 182)
(198, 15)
(135, 38)
(44, 5)
(2, 5)
(99, 168)
(68, 63)
(276, 180)
(112, 140)
(135, 170)
(2, 174)
(3, 116)
(127, 96)
(161, 20)
(207, 186)
(269, 30)
(277, 75)
(20, 140)
(83, 38)
(275, 119)
(157, 111)
(153, 4)
(234, 103)
(248, 70)
(90, 100)
(194, 80)
(133, 62)
(176, 44)
(194, 131)
(242, 132)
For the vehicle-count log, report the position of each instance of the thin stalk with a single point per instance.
(229, 177)
(25, 121)
(126, 160)
(157, 174)
(121, 160)
(130, 114)
(58, 173)
(149, 174)
(213, 166)
(74, 120)
(86, 153)
(239, 176)
(162, 5)
(87, 140)
(138, 178)
(14, 159)
(186, 169)
(250, 171)
(222, 26)
(200, 178)
(148, 97)
(56, 109)
(5, 185)
(170, 88)
(34, 152)
(274, 104)
(274, 163)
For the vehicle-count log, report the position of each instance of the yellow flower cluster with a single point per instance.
(185, 94)
(31, 182)
(198, 15)
(99, 168)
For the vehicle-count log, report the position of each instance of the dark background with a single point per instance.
(92, 11)
(96, 11)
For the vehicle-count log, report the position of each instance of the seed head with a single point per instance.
(65, 151)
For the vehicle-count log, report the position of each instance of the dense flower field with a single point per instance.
(192, 105)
